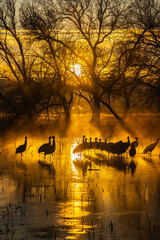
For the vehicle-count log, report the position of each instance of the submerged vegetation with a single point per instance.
(100, 55)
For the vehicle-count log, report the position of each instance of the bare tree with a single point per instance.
(16, 64)
(88, 27)
(25, 90)
(145, 25)
(44, 24)
(94, 22)
(135, 80)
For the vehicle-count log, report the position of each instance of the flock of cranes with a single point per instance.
(115, 148)
(47, 148)
(118, 148)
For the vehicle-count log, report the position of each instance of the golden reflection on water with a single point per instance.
(78, 196)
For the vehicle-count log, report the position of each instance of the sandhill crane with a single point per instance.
(119, 147)
(150, 147)
(44, 146)
(127, 144)
(109, 146)
(48, 148)
(90, 143)
(103, 145)
(135, 143)
(95, 143)
(84, 138)
(82, 146)
(132, 151)
(52, 147)
(22, 148)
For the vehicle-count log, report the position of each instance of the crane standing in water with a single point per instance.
(22, 148)
(82, 146)
(53, 146)
(119, 147)
(150, 147)
(48, 148)
(44, 147)
(135, 143)
(132, 151)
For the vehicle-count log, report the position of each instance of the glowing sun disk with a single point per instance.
(76, 69)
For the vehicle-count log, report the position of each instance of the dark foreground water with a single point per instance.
(85, 196)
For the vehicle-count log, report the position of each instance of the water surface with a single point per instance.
(77, 196)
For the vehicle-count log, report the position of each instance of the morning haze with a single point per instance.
(79, 114)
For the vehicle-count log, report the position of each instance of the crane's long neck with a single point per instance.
(53, 142)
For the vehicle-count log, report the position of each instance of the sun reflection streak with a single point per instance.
(75, 156)
(73, 214)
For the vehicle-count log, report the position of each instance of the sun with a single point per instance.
(76, 69)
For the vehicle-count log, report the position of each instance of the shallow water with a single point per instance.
(85, 196)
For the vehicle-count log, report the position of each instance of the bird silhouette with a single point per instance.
(119, 147)
(22, 148)
(90, 143)
(103, 145)
(84, 138)
(82, 146)
(95, 144)
(132, 151)
(135, 143)
(44, 146)
(150, 147)
(109, 146)
(48, 148)
(52, 147)
(127, 144)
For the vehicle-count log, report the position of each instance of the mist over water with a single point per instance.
(86, 195)
(79, 120)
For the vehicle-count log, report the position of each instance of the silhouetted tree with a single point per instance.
(87, 25)
(43, 23)
(26, 90)
(16, 67)
(145, 25)
(94, 23)
(130, 72)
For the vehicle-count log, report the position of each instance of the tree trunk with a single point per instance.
(112, 111)
(121, 121)
(96, 110)
(127, 106)
(66, 110)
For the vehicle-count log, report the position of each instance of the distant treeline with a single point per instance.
(56, 53)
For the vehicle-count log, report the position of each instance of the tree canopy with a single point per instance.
(55, 53)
